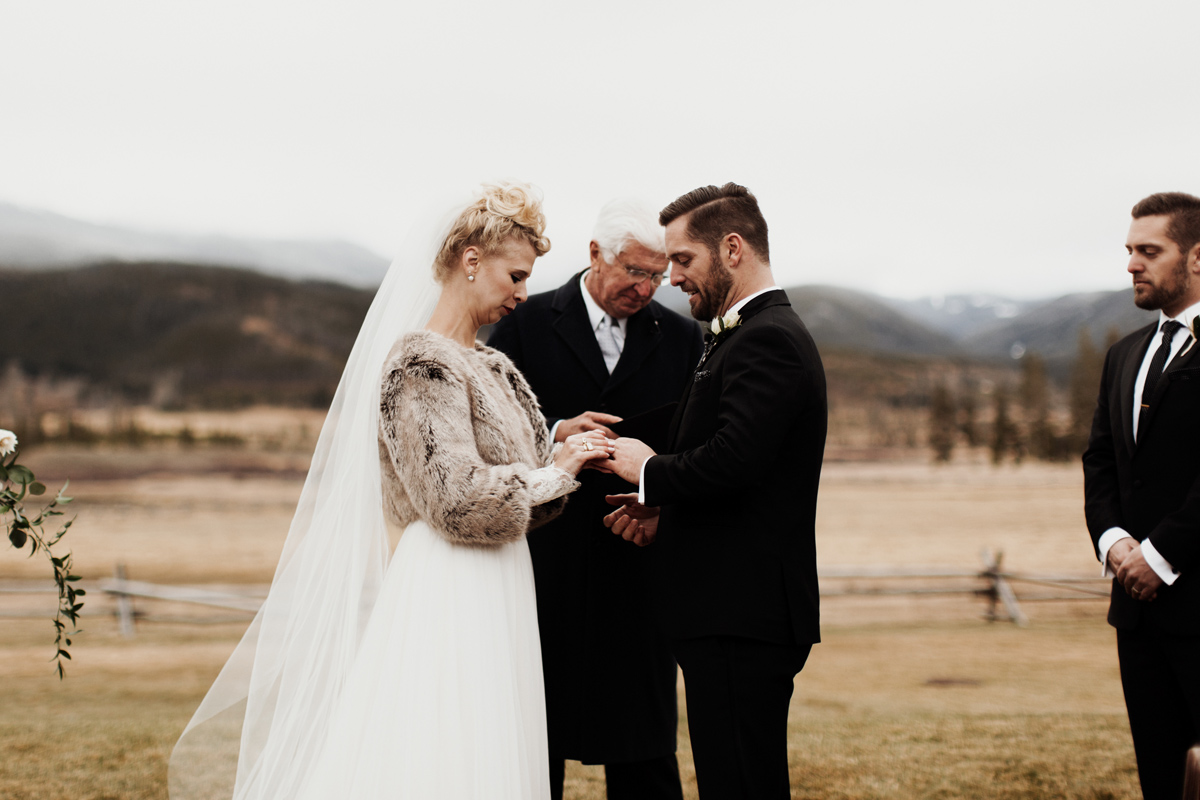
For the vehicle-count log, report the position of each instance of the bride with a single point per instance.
(420, 678)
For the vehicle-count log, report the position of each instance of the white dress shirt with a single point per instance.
(738, 306)
(1154, 559)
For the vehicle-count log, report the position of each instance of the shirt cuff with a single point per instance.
(1107, 540)
(642, 482)
(1160, 565)
(554, 431)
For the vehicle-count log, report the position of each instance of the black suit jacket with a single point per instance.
(1150, 488)
(610, 677)
(736, 540)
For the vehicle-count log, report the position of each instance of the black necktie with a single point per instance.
(1156, 369)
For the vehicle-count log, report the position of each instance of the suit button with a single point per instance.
(1137, 484)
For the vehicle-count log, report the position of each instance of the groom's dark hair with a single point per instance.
(716, 212)
(1183, 228)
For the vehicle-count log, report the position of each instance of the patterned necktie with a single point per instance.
(608, 336)
(709, 342)
(1156, 369)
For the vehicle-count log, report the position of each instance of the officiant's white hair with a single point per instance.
(626, 220)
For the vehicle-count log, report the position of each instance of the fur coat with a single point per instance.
(463, 444)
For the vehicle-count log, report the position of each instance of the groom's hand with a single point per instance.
(587, 421)
(633, 521)
(627, 458)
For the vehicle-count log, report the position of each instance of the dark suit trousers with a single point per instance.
(738, 693)
(1161, 678)
(656, 779)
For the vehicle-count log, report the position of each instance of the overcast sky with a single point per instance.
(905, 148)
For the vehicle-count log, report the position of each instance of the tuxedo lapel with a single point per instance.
(1128, 379)
(642, 335)
(573, 325)
(763, 301)
(1180, 361)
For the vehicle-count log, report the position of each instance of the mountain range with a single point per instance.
(35, 239)
(966, 325)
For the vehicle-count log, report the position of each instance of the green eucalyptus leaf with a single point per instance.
(17, 537)
(80, 592)
(64, 654)
(3, 473)
(20, 474)
(36, 488)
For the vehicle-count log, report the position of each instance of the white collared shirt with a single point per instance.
(596, 315)
(1154, 559)
(598, 318)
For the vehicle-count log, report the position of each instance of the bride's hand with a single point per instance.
(581, 448)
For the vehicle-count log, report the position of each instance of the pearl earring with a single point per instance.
(471, 277)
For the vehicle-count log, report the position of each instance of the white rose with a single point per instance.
(715, 325)
(8, 442)
(732, 320)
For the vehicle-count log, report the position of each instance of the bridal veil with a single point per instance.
(258, 730)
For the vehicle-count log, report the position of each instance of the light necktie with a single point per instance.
(608, 336)
(1156, 370)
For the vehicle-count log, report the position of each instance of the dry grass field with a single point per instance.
(907, 697)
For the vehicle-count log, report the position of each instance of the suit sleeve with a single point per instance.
(769, 386)
(1101, 487)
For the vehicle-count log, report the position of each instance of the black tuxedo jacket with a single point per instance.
(1150, 488)
(610, 677)
(736, 544)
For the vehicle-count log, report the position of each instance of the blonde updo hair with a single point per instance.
(504, 209)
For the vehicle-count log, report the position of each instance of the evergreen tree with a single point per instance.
(1003, 432)
(1085, 384)
(1035, 399)
(968, 423)
(941, 423)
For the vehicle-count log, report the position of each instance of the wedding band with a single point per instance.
(587, 445)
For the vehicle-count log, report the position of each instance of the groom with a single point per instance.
(734, 540)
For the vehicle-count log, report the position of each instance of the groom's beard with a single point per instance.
(710, 297)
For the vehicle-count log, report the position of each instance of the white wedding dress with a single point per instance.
(445, 699)
(414, 677)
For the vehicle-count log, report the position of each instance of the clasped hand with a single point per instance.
(633, 521)
(1128, 563)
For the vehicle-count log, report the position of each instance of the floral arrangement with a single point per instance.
(17, 483)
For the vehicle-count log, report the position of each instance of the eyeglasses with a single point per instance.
(639, 275)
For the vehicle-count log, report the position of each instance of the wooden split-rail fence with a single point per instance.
(990, 582)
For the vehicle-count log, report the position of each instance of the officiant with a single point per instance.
(598, 351)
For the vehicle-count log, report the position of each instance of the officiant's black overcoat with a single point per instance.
(610, 678)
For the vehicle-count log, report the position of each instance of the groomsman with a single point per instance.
(1142, 492)
(598, 350)
(736, 562)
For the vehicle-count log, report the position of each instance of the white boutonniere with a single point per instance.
(725, 324)
(1193, 329)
